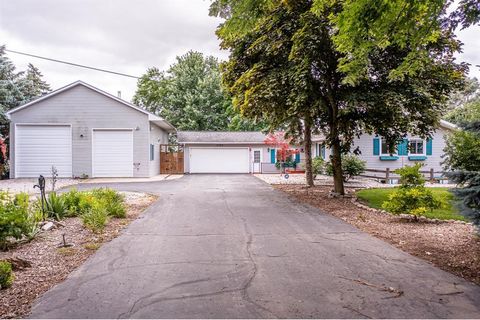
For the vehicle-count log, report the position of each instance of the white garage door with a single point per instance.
(219, 160)
(39, 147)
(112, 153)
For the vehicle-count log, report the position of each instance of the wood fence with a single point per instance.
(388, 174)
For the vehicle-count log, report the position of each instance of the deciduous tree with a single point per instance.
(286, 69)
(189, 95)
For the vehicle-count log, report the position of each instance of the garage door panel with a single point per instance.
(112, 153)
(39, 147)
(219, 160)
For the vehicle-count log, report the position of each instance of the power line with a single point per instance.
(73, 64)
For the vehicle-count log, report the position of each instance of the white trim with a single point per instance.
(223, 144)
(448, 125)
(109, 129)
(40, 125)
(424, 147)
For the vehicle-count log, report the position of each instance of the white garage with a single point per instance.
(39, 147)
(219, 160)
(112, 153)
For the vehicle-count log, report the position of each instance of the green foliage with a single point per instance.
(15, 220)
(351, 166)
(55, 206)
(96, 217)
(412, 197)
(410, 176)
(288, 69)
(71, 200)
(190, 95)
(375, 197)
(463, 158)
(416, 201)
(6, 275)
(462, 151)
(318, 166)
(112, 200)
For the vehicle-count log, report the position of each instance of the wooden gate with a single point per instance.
(171, 159)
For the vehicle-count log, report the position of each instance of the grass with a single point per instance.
(375, 197)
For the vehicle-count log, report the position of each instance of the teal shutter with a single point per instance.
(376, 146)
(323, 151)
(297, 157)
(273, 156)
(429, 147)
(403, 148)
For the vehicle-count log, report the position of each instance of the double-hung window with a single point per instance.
(416, 147)
(386, 150)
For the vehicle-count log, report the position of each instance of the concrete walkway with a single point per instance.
(229, 246)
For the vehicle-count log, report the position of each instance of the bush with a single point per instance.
(6, 274)
(318, 166)
(72, 202)
(112, 200)
(351, 166)
(15, 220)
(96, 217)
(412, 197)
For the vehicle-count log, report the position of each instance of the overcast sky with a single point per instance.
(124, 36)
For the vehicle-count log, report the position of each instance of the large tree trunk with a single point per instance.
(337, 167)
(307, 137)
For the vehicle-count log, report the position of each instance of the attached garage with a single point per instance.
(39, 147)
(219, 160)
(112, 153)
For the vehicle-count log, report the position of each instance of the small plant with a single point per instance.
(66, 251)
(96, 217)
(54, 177)
(92, 246)
(351, 166)
(318, 166)
(412, 197)
(55, 206)
(6, 275)
(112, 200)
(72, 200)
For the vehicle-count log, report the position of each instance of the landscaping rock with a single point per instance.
(47, 226)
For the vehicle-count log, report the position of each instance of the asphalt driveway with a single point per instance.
(229, 246)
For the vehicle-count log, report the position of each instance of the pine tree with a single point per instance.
(463, 157)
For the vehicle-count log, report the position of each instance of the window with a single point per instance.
(416, 147)
(256, 156)
(386, 148)
(152, 152)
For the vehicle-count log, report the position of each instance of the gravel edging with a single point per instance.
(51, 265)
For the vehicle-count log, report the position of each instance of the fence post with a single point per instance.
(387, 175)
(431, 175)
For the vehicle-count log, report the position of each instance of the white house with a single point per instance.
(247, 152)
(84, 131)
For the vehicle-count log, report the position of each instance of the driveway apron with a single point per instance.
(229, 246)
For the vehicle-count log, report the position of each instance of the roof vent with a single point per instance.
(119, 94)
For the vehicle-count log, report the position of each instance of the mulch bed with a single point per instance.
(51, 265)
(451, 246)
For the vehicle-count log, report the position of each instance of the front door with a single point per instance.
(256, 160)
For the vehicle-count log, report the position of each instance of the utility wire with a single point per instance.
(73, 64)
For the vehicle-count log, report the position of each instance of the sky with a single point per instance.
(124, 36)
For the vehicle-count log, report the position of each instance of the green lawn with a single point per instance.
(375, 197)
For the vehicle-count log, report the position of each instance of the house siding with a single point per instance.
(157, 137)
(86, 109)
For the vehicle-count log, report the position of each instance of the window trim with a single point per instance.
(393, 154)
(424, 147)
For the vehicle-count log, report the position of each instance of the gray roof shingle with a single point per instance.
(220, 136)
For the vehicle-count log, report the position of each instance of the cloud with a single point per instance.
(125, 36)
(120, 35)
